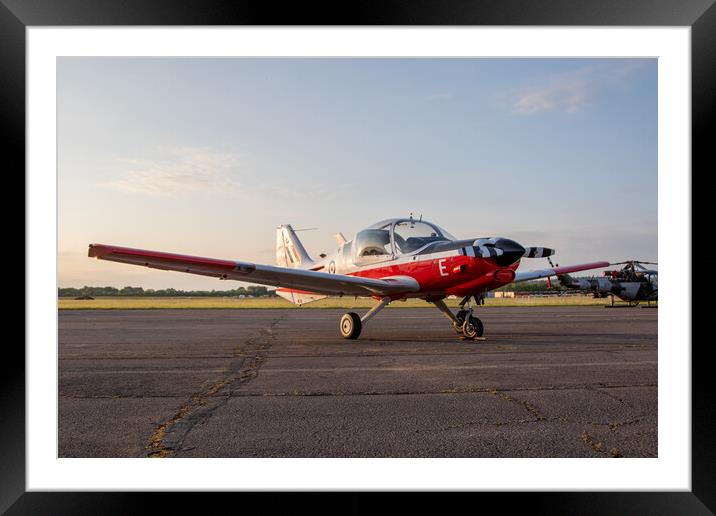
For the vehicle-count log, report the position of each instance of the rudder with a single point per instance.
(289, 249)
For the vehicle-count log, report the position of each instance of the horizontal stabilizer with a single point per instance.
(299, 297)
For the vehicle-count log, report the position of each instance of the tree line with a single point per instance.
(254, 291)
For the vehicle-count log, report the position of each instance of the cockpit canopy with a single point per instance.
(397, 236)
(373, 242)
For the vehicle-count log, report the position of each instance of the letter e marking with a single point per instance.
(442, 268)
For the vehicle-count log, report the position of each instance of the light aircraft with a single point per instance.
(391, 260)
(632, 283)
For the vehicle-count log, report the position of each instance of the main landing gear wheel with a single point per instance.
(350, 325)
(472, 327)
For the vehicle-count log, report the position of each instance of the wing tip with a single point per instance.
(580, 267)
(95, 250)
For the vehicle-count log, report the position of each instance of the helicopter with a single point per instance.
(632, 283)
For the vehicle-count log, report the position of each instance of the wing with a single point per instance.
(544, 273)
(299, 279)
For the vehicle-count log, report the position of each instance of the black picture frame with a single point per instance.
(700, 15)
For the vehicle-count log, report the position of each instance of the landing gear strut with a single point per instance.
(352, 324)
(463, 322)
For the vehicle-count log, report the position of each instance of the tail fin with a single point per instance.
(289, 249)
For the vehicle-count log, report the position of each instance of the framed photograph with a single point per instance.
(173, 142)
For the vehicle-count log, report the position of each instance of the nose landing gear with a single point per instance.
(463, 322)
(472, 327)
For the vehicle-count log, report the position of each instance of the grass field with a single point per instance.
(149, 303)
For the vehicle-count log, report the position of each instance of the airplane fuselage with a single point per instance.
(438, 274)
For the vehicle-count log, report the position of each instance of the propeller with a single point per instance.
(538, 252)
(507, 251)
(504, 250)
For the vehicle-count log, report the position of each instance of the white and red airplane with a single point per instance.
(391, 260)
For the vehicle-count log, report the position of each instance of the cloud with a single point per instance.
(572, 91)
(179, 170)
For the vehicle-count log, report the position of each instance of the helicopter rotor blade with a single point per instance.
(630, 262)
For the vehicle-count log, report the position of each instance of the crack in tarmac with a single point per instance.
(612, 396)
(538, 417)
(168, 437)
(598, 446)
(617, 424)
(531, 409)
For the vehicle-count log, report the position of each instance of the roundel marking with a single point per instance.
(332, 267)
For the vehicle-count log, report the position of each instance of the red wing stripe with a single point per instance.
(582, 267)
(105, 252)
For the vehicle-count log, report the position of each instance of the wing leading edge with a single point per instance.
(298, 279)
(544, 273)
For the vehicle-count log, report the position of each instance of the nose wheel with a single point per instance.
(472, 328)
(464, 323)
(467, 325)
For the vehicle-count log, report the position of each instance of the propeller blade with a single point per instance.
(538, 252)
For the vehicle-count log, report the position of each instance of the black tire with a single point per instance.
(350, 326)
(472, 328)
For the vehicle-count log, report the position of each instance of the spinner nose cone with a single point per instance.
(511, 251)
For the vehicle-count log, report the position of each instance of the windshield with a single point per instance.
(411, 235)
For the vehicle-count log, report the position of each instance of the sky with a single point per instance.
(207, 156)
